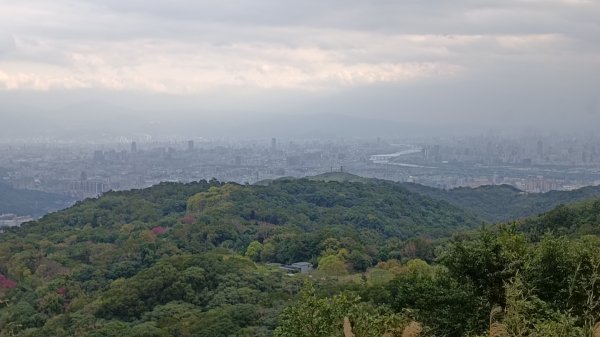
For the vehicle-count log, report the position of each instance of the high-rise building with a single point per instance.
(133, 147)
(169, 153)
(540, 149)
(98, 156)
(273, 144)
(190, 145)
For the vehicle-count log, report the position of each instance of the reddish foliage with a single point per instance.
(6, 283)
(188, 219)
(62, 291)
(159, 230)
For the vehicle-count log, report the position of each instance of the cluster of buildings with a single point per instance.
(13, 220)
(294, 268)
(88, 170)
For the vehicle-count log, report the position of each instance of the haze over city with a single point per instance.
(308, 168)
(90, 69)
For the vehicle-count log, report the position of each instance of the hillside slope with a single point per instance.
(387, 208)
(500, 203)
(574, 220)
(196, 259)
(168, 260)
(492, 203)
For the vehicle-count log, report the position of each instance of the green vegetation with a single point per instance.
(491, 203)
(502, 203)
(497, 284)
(198, 260)
(574, 220)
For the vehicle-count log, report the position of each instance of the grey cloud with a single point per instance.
(413, 16)
(7, 43)
(511, 61)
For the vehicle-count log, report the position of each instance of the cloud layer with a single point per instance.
(185, 47)
(432, 58)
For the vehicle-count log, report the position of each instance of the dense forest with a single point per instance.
(499, 203)
(202, 259)
(491, 203)
(27, 202)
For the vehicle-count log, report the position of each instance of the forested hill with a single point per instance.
(172, 255)
(501, 203)
(26, 202)
(492, 203)
(299, 204)
(310, 205)
(198, 260)
(573, 220)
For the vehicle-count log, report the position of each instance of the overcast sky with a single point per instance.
(438, 62)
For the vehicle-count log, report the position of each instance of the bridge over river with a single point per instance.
(386, 158)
